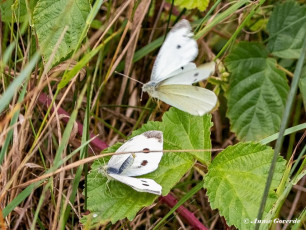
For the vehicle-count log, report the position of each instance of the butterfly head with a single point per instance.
(105, 170)
(102, 169)
(149, 87)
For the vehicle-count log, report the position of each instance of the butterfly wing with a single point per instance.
(118, 163)
(182, 69)
(139, 184)
(135, 164)
(147, 161)
(191, 99)
(191, 76)
(178, 50)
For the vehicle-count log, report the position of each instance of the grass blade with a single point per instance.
(278, 145)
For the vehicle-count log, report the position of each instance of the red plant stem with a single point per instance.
(183, 212)
(188, 216)
(46, 101)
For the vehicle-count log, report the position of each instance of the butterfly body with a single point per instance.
(174, 73)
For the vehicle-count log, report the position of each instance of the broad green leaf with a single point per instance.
(257, 92)
(184, 131)
(191, 4)
(50, 19)
(236, 180)
(114, 201)
(287, 28)
(18, 7)
(302, 85)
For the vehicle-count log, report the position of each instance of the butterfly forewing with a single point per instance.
(182, 69)
(178, 50)
(147, 162)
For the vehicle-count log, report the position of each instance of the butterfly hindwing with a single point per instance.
(139, 184)
(191, 76)
(196, 100)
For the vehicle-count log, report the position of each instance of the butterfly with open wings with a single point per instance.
(138, 161)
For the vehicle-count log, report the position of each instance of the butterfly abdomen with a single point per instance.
(126, 164)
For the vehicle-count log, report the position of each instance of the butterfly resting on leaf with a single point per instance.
(141, 159)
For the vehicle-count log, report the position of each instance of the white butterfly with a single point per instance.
(123, 167)
(173, 73)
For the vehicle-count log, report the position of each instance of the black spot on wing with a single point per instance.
(143, 163)
(144, 183)
(196, 74)
(154, 134)
(146, 150)
(178, 46)
(182, 68)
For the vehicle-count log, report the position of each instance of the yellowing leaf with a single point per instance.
(200, 4)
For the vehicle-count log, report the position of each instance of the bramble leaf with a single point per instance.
(236, 180)
(257, 92)
(50, 20)
(287, 28)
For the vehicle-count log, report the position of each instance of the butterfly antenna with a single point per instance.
(129, 77)
(141, 95)
(108, 188)
(100, 170)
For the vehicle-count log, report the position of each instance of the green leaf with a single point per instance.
(257, 92)
(184, 131)
(191, 4)
(114, 201)
(287, 28)
(302, 85)
(236, 180)
(50, 19)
